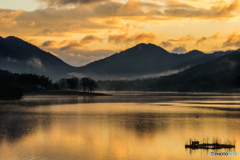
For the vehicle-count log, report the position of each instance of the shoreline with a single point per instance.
(68, 93)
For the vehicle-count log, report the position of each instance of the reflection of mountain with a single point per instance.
(15, 127)
(17, 123)
(141, 60)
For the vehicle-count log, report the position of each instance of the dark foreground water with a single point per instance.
(127, 125)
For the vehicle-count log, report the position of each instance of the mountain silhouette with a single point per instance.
(226, 66)
(141, 60)
(19, 56)
(219, 74)
(144, 59)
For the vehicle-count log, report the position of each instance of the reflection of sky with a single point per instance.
(116, 130)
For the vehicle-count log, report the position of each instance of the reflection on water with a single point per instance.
(123, 126)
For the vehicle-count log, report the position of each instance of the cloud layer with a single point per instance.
(69, 2)
(69, 26)
(137, 37)
(233, 40)
(109, 15)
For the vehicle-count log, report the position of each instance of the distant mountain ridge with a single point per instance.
(141, 60)
(220, 74)
(144, 59)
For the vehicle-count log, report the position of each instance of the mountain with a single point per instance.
(219, 75)
(222, 73)
(201, 58)
(142, 60)
(19, 56)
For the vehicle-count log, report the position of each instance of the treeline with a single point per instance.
(128, 85)
(13, 85)
(180, 83)
(74, 83)
(219, 75)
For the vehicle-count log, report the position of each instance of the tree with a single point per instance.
(62, 83)
(34, 79)
(10, 89)
(236, 81)
(72, 83)
(88, 84)
(84, 83)
(92, 85)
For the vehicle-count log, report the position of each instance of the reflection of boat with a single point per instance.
(196, 145)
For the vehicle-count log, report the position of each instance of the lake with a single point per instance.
(127, 125)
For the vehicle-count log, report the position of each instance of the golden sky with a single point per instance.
(82, 31)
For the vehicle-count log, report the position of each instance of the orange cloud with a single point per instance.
(143, 37)
(216, 11)
(179, 4)
(65, 18)
(182, 39)
(69, 2)
(7, 17)
(233, 40)
(90, 38)
(52, 33)
(137, 37)
(48, 43)
(201, 40)
(76, 44)
(165, 44)
(108, 15)
(71, 44)
(117, 38)
(216, 35)
(139, 8)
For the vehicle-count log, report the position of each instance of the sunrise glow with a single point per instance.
(82, 31)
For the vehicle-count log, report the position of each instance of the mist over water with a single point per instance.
(127, 125)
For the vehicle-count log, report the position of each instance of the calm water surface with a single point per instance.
(127, 125)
